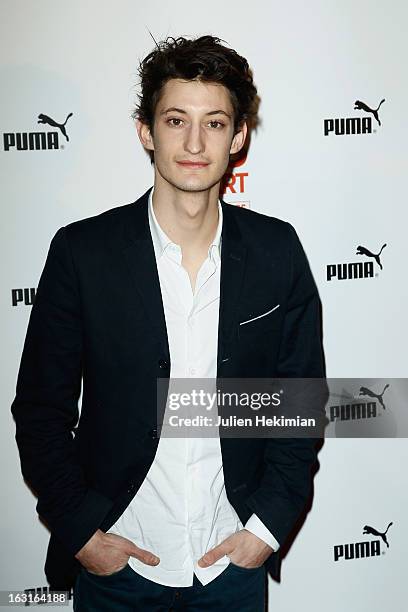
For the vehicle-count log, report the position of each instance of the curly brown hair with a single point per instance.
(203, 58)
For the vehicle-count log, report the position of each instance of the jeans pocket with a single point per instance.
(106, 576)
(234, 566)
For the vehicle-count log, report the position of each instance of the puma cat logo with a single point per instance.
(370, 530)
(365, 391)
(359, 105)
(364, 251)
(45, 119)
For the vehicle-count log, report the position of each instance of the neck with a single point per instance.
(189, 219)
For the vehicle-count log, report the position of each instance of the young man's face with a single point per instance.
(193, 135)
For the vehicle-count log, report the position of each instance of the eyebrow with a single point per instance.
(173, 109)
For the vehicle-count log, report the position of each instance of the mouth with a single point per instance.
(192, 165)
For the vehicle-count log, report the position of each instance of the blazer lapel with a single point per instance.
(140, 258)
(233, 257)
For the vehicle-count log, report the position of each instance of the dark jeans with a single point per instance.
(236, 588)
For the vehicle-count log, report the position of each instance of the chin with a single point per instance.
(189, 184)
(194, 186)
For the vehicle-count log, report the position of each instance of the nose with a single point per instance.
(194, 142)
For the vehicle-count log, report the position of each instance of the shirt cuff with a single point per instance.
(256, 526)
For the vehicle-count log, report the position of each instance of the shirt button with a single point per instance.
(193, 371)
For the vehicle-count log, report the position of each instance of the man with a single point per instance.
(176, 284)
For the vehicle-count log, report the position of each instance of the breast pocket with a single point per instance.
(256, 323)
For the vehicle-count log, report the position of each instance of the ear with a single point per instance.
(145, 135)
(239, 138)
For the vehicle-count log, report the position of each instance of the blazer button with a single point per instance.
(153, 433)
(132, 487)
(163, 364)
(239, 487)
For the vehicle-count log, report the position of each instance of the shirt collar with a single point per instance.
(161, 241)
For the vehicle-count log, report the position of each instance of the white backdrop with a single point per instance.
(311, 62)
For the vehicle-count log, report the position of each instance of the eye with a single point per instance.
(174, 121)
(216, 124)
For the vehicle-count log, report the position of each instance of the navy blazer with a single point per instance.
(98, 318)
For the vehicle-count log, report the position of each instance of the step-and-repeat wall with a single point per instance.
(330, 156)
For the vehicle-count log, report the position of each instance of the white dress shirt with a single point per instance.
(181, 510)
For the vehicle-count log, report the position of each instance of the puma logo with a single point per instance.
(359, 105)
(363, 251)
(365, 391)
(370, 530)
(45, 119)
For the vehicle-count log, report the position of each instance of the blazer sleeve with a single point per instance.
(286, 482)
(45, 406)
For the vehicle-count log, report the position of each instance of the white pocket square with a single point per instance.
(261, 315)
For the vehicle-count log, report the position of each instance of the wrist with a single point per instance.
(93, 540)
